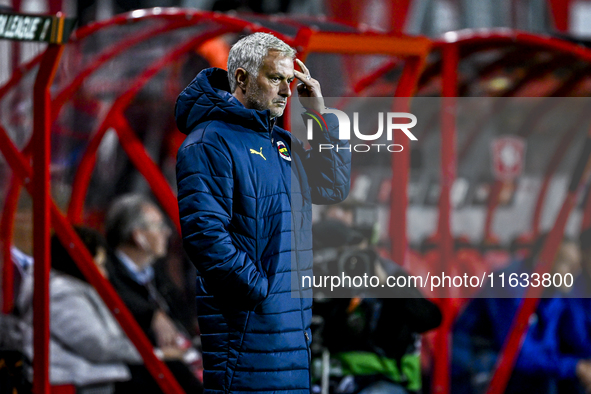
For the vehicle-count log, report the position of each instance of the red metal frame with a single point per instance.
(441, 367)
(24, 172)
(307, 40)
(82, 178)
(139, 157)
(6, 228)
(45, 210)
(553, 164)
(508, 356)
(41, 221)
(401, 163)
(65, 94)
(560, 13)
(512, 346)
(528, 126)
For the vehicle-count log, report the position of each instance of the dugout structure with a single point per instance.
(113, 96)
(108, 74)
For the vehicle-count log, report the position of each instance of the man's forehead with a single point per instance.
(275, 61)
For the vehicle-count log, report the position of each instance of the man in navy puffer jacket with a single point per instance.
(245, 189)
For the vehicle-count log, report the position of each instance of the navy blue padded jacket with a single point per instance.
(245, 189)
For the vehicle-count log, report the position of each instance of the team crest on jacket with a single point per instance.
(283, 152)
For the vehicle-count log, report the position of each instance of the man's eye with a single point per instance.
(275, 79)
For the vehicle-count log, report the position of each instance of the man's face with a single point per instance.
(155, 231)
(270, 89)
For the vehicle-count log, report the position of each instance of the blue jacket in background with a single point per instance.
(481, 330)
(245, 189)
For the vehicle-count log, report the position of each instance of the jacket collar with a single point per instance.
(208, 97)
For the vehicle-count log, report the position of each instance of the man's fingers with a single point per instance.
(302, 77)
(303, 67)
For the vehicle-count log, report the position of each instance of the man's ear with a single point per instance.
(241, 76)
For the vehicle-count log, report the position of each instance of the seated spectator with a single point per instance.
(575, 327)
(138, 235)
(14, 364)
(88, 348)
(482, 329)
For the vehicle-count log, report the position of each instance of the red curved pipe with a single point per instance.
(559, 153)
(23, 170)
(6, 231)
(441, 368)
(174, 14)
(512, 345)
(18, 74)
(505, 36)
(82, 177)
(136, 152)
(401, 163)
(533, 118)
(537, 71)
(64, 95)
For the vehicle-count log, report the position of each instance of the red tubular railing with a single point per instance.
(137, 155)
(6, 229)
(45, 212)
(528, 126)
(66, 93)
(41, 221)
(82, 178)
(512, 345)
(24, 172)
(553, 164)
(441, 368)
(401, 163)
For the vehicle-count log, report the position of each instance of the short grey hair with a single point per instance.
(248, 53)
(124, 216)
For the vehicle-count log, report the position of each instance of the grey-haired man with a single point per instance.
(245, 189)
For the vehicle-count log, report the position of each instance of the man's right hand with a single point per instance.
(309, 89)
(164, 329)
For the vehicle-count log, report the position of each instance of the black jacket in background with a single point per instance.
(135, 296)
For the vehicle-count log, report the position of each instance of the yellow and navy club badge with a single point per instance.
(283, 151)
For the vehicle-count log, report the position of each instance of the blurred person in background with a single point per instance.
(544, 363)
(88, 348)
(576, 322)
(138, 235)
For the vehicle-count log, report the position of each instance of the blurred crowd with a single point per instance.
(361, 344)
(555, 355)
(88, 348)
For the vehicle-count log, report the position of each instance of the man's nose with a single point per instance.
(284, 90)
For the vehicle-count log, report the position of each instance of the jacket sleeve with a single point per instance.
(205, 196)
(328, 162)
(75, 323)
(541, 352)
